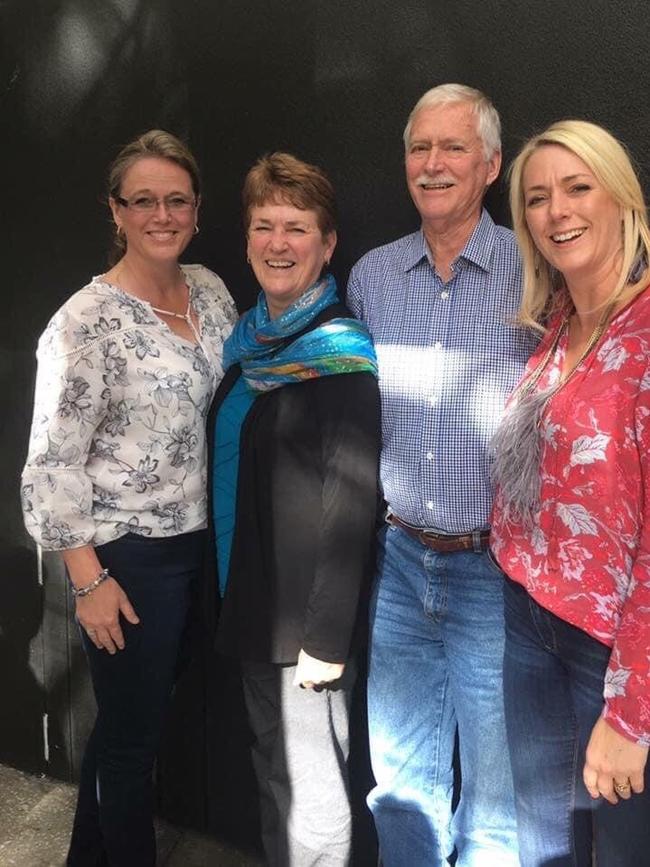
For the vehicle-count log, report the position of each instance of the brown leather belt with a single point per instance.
(442, 542)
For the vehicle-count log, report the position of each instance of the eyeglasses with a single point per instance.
(150, 203)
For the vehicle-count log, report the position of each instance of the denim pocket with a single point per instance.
(489, 556)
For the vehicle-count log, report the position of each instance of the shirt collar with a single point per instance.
(477, 250)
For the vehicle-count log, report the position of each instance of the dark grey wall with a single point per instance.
(331, 80)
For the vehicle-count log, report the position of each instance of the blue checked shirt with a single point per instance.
(448, 358)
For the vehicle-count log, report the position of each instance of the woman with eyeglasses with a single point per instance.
(116, 477)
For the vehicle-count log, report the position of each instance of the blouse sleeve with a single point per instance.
(71, 396)
(349, 420)
(627, 681)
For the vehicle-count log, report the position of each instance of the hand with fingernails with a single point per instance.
(99, 614)
(99, 611)
(614, 765)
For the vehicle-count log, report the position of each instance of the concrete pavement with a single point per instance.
(36, 816)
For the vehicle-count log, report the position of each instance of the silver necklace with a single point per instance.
(186, 317)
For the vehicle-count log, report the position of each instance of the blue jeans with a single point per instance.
(435, 668)
(114, 818)
(553, 683)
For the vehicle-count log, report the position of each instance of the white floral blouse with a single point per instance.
(118, 436)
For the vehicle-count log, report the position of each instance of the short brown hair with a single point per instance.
(154, 143)
(283, 177)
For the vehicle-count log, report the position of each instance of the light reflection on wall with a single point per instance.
(88, 55)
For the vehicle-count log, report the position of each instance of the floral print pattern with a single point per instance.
(587, 558)
(118, 435)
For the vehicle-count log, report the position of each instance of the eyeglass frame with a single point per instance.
(187, 204)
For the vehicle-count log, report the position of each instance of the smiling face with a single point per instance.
(446, 170)
(573, 221)
(161, 234)
(287, 252)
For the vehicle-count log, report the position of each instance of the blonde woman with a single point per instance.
(571, 528)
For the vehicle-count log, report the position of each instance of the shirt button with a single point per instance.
(437, 345)
(444, 295)
(429, 456)
(430, 504)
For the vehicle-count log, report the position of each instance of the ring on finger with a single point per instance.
(622, 788)
(91, 632)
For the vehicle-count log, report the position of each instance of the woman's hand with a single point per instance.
(99, 611)
(614, 765)
(99, 614)
(313, 673)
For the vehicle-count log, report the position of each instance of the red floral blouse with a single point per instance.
(587, 556)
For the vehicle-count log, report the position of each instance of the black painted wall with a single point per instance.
(331, 80)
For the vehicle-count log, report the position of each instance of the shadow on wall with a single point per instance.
(69, 696)
(22, 742)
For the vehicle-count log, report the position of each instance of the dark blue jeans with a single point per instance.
(553, 688)
(114, 819)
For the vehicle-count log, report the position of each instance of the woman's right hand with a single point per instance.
(99, 611)
(99, 614)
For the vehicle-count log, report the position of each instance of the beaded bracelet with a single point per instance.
(84, 591)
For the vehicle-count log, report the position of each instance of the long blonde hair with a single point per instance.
(544, 290)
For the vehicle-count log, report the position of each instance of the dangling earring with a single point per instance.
(196, 228)
(327, 263)
(557, 279)
(638, 269)
(119, 231)
(536, 261)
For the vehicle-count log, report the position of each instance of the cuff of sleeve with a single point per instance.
(324, 654)
(637, 736)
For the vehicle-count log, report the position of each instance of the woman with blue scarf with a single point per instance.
(296, 442)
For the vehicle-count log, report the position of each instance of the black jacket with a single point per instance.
(305, 516)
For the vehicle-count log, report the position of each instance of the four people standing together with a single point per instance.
(294, 448)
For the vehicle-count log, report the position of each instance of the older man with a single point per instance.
(440, 304)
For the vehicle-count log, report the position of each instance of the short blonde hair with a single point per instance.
(607, 158)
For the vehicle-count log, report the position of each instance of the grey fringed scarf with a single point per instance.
(517, 444)
(517, 450)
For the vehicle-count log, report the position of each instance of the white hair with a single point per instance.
(488, 124)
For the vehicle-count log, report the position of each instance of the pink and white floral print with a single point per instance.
(587, 557)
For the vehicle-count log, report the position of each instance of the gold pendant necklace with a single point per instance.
(527, 386)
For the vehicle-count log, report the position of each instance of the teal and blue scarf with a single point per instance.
(270, 359)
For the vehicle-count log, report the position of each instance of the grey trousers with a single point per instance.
(300, 757)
